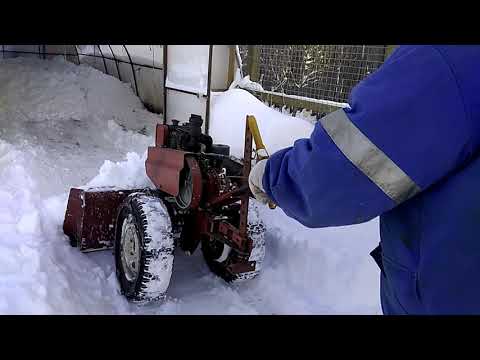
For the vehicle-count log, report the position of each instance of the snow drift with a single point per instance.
(63, 125)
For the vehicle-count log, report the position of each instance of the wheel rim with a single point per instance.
(130, 249)
(185, 192)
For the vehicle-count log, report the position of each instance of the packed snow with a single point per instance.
(63, 125)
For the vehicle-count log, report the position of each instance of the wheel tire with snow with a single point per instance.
(144, 248)
(217, 255)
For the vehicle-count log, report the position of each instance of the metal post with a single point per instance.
(247, 165)
(165, 68)
(231, 64)
(253, 62)
(207, 112)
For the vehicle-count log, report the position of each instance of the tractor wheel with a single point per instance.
(218, 255)
(144, 248)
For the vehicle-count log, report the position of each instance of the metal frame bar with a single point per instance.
(165, 89)
(184, 91)
(207, 110)
(104, 62)
(116, 63)
(133, 70)
(81, 54)
(76, 52)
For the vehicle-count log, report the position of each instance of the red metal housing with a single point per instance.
(163, 168)
(163, 165)
(91, 215)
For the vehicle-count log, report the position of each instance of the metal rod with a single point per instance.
(76, 51)
(207, 112)
(165, 63)
(104, 62)
(247, 165)
(116, 63)
(184, 91)
(133, 70)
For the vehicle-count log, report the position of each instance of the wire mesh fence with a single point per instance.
(322, 72)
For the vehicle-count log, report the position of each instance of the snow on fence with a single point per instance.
(315, 77)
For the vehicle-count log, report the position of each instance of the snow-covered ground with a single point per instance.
(63, 125)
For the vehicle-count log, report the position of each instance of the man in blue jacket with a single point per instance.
(406, 150)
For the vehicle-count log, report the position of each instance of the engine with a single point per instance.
(189, 137)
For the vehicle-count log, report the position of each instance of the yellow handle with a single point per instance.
(253, 126)
(259, 145)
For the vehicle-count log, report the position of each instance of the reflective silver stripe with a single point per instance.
(368, 158)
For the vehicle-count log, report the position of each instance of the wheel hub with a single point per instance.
(130, 249)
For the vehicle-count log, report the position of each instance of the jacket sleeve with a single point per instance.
(407, 128)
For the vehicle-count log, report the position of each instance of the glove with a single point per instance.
(255, 182)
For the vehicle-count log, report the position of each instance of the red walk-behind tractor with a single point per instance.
(201, 198)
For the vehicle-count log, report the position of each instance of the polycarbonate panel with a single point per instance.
(187, 68)
(11, 51)
(180, 106)
(116, 62)
(111, 63)
(150, 87)
(149, 55)
(220, 63)
(91, 56)
(60, 50)
(119, 52)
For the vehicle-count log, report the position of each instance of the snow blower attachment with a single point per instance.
(201, 198)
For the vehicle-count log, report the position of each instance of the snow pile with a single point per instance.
(228, 121)
(65, 119)
(63, 125)
(56, 132)
(39, 273)
(305, 114)
(128, 174)
(245, 83)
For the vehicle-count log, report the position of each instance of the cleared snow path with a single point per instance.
(63, 125)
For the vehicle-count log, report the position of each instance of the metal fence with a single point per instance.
(320, 72)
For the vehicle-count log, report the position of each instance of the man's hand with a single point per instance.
(255, 182)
